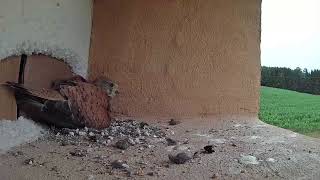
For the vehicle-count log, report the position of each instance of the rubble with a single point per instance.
(123, 133)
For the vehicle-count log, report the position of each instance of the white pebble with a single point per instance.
(81, 133)
(271, 160)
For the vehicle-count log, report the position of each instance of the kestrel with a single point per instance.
(70, 103)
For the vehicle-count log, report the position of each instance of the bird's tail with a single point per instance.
(23, 93)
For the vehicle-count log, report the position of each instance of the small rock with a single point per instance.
(143, 124)
(18, 153)
(150, 173)
(209, 149)
(91, 134)
(110, 137)
(86, 129)
(185, 141)
(140, 172)
(89, 150)
(131, 141)
(122, 144)
(171, 142)
(248, 160)
(118, 164)
(65, 143)
(196, 155)
(29, 161)
(181, 148)
(82, 133)
(71, 133)
(142, 163)
(173, 122)
(78, 153)
(233, 145)
(271, 160)
(180, 158)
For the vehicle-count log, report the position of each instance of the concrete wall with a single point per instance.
(179, 58)
(59, 28)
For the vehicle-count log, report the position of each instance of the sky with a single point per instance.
(291, 33)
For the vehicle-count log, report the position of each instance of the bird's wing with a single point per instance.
(89, 104)
(67, 82)
(42, 95)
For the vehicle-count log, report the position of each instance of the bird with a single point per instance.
(69, 103)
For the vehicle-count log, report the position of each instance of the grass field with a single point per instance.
(299, 112)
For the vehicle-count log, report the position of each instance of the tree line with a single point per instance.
(292, 79)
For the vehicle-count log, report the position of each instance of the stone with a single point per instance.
(248, 160)
(171, 142)
(119, 164)
(173, 122)
(271, 160)
(65, 143)
(29, 161)
(78, 153)
(18, 153)
(122, 144)
(71, 133)
(209, 149)
(82, 133)
(180, 158)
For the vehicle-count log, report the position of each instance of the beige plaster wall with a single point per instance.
(179, 58)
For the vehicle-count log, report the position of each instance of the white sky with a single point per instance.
(291, 33)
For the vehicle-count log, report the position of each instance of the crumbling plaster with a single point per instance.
(57, 28)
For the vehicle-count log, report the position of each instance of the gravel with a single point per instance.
(122, 133)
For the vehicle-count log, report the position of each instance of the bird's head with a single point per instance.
(106, 84)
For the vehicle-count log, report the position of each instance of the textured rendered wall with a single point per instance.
(179, 58)
(59, 28)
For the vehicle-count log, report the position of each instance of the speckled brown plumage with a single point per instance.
(89, 104)
(71, 103)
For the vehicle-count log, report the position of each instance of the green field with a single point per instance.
(299, 112)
